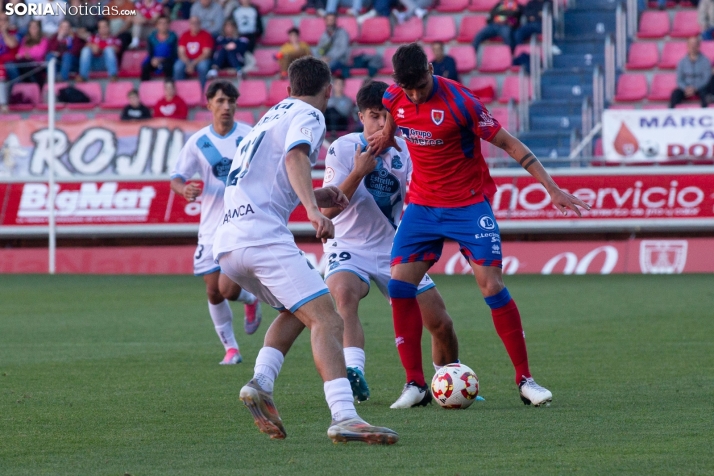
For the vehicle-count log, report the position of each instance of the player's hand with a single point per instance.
(323, 226)
(331, 196)
(191, 191)
(378, 142)
(365, 162)
(564, 201)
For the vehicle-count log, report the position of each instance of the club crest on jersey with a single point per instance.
(396, 162)
(400, 113)
(437, 116)
(306, 132)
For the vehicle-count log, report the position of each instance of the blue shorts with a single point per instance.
(422, 231)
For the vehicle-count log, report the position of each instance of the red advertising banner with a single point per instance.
(574, 257)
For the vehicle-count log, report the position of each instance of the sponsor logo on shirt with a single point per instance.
(238, 212)
(486, 119)
(400, 113)
(419, 137)
(495, 237)
(495, 249)
(329, 174)
(437, 116)
(306, 132)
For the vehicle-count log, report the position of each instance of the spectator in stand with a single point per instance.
(179, 9)
(147, 13)
(340, 108)
(120, 25)
(693, 74)
(194, 52)
(250, 23)
(19, 23)
(33, 49)
(83, 25)
(231, 49)
(66, 47)
(163, 50)
(533, 14)
(354, 7)
(505, 16)
(444, 65)
(171, 105)
(50, 23)
(334, 46)
(9, 42)
(291, 51)
(413, 7)
(381, 8)
(705, 14)
(100, 53)
(135, 111)
(211, 15)
(317, 5)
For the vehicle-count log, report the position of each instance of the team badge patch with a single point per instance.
(329, 174)
(437, 116)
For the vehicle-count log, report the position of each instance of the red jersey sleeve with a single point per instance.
(390, 96)
(485, 126)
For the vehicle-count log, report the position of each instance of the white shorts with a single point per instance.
(278, 273)
(203, 262)
(367, 265)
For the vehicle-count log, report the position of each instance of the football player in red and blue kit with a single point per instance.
(449, 194)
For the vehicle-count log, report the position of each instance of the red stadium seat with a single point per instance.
(642, 56)
(448, 6)
(73, 117)
(375, 31)
(672, 53)
(115, 95)
(108, 116)
(662, 86)
(131, 64)
(653, 24)
(631, 87)
(440, 28)
(385, 79)
(465, 58)
(482, 5)
(276, 31)
(203, 116)
(179, 27)
(311, 28)
(150, 92)
(387, 60)
(264, 6)
(484, 87)
(470, 25)
(350, 25)
(265, 62)
(190, 91)
(288, 7)
(252, 93)
(42, 105)
(30, 91)
(93, 92)
(500, 114)
(409, 31)
(511, 90)
(352, 86)
(246, 117)
(495, 59)
(277, 92)
(357, 52)
(708, 50)
(685, 24)
(10, 117)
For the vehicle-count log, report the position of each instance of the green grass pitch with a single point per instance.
(105, 375)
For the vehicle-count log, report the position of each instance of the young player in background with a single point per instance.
(450, 192)
(209, 153)
(364, 231)
(270, 175)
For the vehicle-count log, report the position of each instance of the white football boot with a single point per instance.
(356, 429)
(532, 393)
(413, 396)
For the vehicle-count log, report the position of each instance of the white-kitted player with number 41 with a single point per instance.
(209, 153)
(364, 232)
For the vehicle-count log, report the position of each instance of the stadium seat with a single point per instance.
(387, 60)
(672, 53)
(352, 86)
(482, 5)
(190, 92)
(264, 6)
(685, 24)
(385, 79)
(131, 64)
(150, 92)
(288, 7)
(73, 117)
(94, 93)
(266, 63)
(350, 25)
(708, 50)
(470, 25)
(179, 27)
(440, 28)
(495, 59)
(662, 86)
(631, 87)
(30, 91)
(311, 28)
(653, 24)
(452, 6)
(115, 95)
(409, 31)
(276, 31)
(108, 116)
(252, 93)
(375, 31)
(357, 52)
(484, 87)
(501, 115)
(245, 117)
(203, 116)
(511, 90)
(465, 58)
(642, 56)
(277, 92)
(10, 117)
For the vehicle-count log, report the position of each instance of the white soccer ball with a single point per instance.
(455, 386)
(650, 148)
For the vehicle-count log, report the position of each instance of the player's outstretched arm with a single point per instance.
(189, 191)
(384, 139)
(297, 164)
(364, 163)
(518, 151)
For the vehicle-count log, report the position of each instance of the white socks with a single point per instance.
(222, 318)
(267, 368)
(338, 394)
(354, 357)
(245, 297)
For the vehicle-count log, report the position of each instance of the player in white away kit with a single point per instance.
(209, 153)
(364, 232)
(270, 175)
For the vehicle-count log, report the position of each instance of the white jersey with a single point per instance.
(209, 155)
(371, 219)
(259, 197)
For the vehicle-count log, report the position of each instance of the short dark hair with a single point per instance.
(410, 65)
(437, 42)
(294, 30)
(222, 85)
(370, 96)
(132, 91)
(308, 76)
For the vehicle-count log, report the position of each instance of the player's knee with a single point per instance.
(214, 295)
(490, 285)
(499, 299)
(401, 289)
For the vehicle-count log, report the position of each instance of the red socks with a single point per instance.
(507, 320)
(406, 316)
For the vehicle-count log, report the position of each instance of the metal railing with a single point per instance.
(547, 38)
(610, 69)
(535, 64)
(620, 36)
(523, 100)
(632, 18)
(598, 104)
(586, 113)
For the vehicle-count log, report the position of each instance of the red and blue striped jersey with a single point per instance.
(444, 139)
